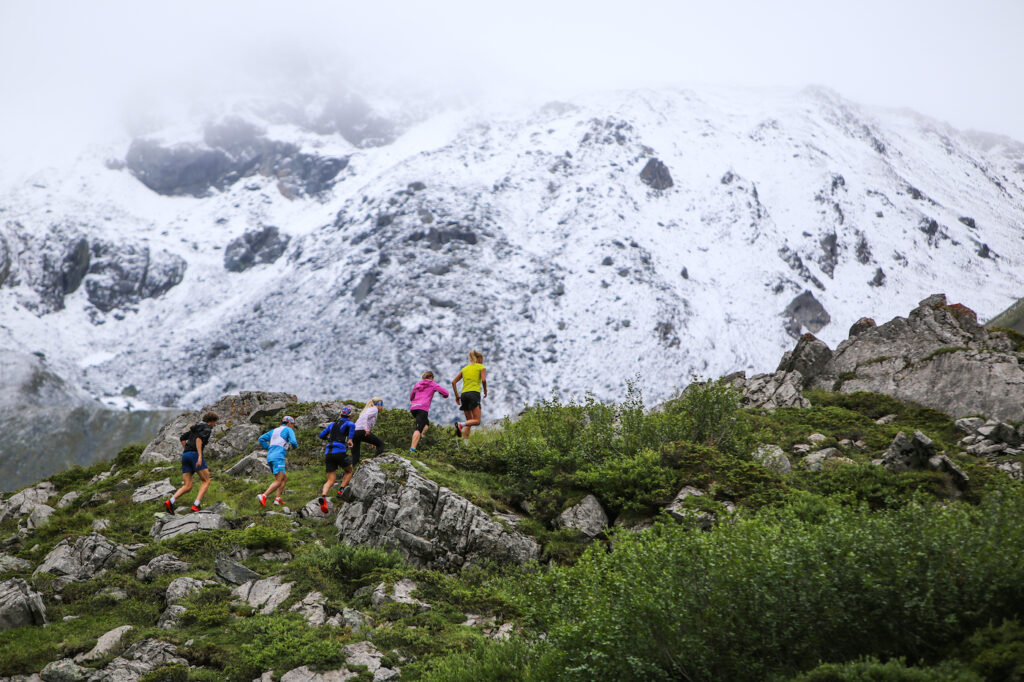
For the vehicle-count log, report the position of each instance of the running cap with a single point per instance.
(346, 411)
(288, 420)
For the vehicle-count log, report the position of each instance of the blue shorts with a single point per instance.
(190, 462)
(276, 466)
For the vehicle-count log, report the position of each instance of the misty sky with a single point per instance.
(73, 73)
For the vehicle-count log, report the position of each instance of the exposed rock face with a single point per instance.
(656, 175)
(233, 410)
(108, 643)
(393, 506)
(919, 454)
(169, 618)
(770, 391)
(124, 274)
(236, 441)
(22, 503)
(172, 526)
(165, 564)
(83, 558)
(265, 595)
(805, 311)
(153, 491)
(39, 516)
(265, 245)
(251, 466)
(588, 517)
(938, 356)
(996, 441)
(139, 659)
(64, 670)
(20, 605)
(234, 572)
(364, 653)
(180, 588)
(233, 149)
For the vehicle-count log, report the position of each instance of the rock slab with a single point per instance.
(20, 605)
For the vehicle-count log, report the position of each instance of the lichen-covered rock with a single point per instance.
(398, 593)
(84, 557)
(312, 608)
(919, 454)
(773, 458)
(588, 517)
(20, 605)
(139, 659)
(265, 595)
(366, 654)
(233, 572)
(108, 643)
(391, 505)
(165, 564)
(22, 503)
(180, 588)
(12, 564)
(770, 391)
(805, 312)
(157, 490)
(40, 516)
(64, 670)
(172, 526)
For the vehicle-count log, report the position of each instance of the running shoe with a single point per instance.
(278, 501)
(458, 428)
(195, 507)
(170, 507)
(341, 491)
(323, 505)
(263, 499)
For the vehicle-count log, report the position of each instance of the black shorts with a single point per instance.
(470, 401)
(336, 460)
(421, 419)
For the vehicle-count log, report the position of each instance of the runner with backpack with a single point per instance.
(419, 405)
(276, 443)
(367, 420)
(473, 376)
(192, 443)
(337, 434)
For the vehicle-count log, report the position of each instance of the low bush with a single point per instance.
(129, 455)
(281, 643)
(871, 670)
(342, 566)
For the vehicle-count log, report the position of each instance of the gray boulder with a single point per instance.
(398, 593)
(40, 516)
(679, 511)
(235, 441)
(12, 564)
(304, 674)
(233, 572)
(265, 595)
(919, 454)
(656, 175)
(770, 391)
(588, 517)
(773, 458)
(180, 588)
(68, 499)
(312, 608)
(805, 312)
(64, 670)
(265, 245)
(165, 564)
(251, 466)
(351, 618)
(173, 526)
(816, 460)
(169, 618)
(364, 653)
(139, 659)
(108, 643)
(311, 510)
(100, 525)
(20, 605)
(23, 502)
(84, 557)
(157, 490)
(233, 410)
(391, 505)
(122, 274)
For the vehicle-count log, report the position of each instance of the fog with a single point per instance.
(74, 74)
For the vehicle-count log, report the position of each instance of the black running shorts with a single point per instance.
(421, 419)
(336, 460)
(470, 400)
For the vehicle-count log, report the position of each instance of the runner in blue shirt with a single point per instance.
(338, 435)
(276, 444)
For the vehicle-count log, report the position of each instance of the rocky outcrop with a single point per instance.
(64, 670)
(398, 593)
(20, 605)
(108, 643)
(233, 410)
(365, 654)
(682, 511)
(265, 245)
(938, 357)
(265, 595)
(233, 149)
(180, 588)
(137, 660)
(656, 175)
(391, 505)
(304, 674)
(157, 490)
(165, 564)
(998, 442)
(123, 274)
(24, 502)
(312, 608)
(12, 564)
(770, 391)
(919, 454)
(588, 517)
(772, 457)
(84, 557)
(172, 526)
(805, 312)
(233, 572)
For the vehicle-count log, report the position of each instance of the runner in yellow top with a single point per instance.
(474, 377)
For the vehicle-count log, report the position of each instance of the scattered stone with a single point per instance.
(656, 175)
(304, 674)
(68, 499)
(703, 519)
(20, 605)
(351, 618)
(364, 653)
(170, 617)
(588, 517)
(181, 588)
(151, 492)
(108, 643)
(969, 425)
(391, 505)
(770, 391)
(100, 525)
(801, 448)
(816, 438)
(22, 503)
(173, 526)
(280, 555)
(816, 460)
(12, 564)
(312, 608)
(265, 245)
(84, 558)
(772, 457)
(64, 670)
(139, 659)
(400, 593)
(234, 572)
(165, 564)
(265, 595)
(996, 431)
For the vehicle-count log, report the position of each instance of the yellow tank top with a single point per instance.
(471, 377)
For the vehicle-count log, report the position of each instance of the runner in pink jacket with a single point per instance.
(419, 404)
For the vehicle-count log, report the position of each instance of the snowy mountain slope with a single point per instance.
(531, 237)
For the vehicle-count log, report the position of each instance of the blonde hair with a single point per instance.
(427, 375)
(476, 356)
(371, 401)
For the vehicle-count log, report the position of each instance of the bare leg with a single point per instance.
(187, 479)
(331, 477)
(278, 483)
(416, 435)
(472, 419)
(204, 478)
(347, 477)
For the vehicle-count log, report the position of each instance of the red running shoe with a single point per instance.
(170, 507)
(263, 499)
(323, 505)
(195, 507)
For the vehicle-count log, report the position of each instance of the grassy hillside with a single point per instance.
(852, 572)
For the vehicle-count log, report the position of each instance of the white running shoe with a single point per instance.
(263, 499)
(278, 501)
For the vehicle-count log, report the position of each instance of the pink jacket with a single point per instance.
(423, 393)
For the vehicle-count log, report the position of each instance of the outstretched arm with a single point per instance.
(483, 380)
(440, 389)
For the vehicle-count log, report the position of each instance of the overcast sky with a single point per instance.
(74, 72)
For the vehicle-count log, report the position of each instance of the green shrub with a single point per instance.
(880, 487)
(129, 455)
(281, 643)
(871, 670)
(509, 661)
(997, 652)
(170, 672)
(342, 565)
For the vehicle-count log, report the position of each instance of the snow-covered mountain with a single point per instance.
(576, 244)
